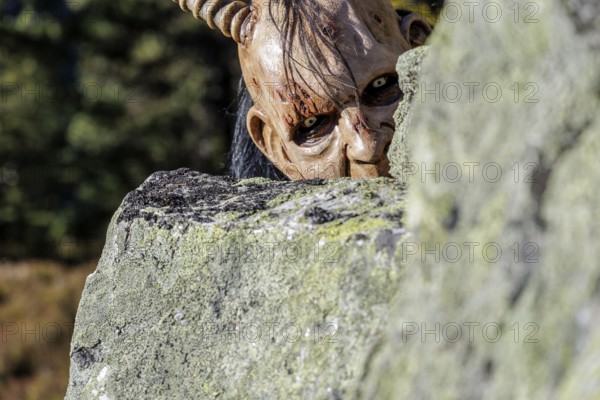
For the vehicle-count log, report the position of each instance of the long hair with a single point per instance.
(297, 29)
(245, 160)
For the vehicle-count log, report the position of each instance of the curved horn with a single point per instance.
(226, 15)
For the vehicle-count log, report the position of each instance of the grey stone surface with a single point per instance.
(212, 288)
(526, 324)
(408, 67)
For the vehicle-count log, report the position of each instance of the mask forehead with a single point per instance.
(369, 40)
(353, 38)
(362, 22)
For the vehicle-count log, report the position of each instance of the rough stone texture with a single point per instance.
(408, 67)
(212, 288)
(546, 144)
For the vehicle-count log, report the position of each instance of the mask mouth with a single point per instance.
(380, 168)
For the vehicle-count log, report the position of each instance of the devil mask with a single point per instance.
(322, 78)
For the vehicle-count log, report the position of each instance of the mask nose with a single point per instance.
(367, 135)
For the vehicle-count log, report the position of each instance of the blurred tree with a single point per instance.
(95, 96)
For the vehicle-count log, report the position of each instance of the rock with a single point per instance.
(209, 287)
(408, 67)
(501, 295)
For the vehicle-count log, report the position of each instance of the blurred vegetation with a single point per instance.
(38, 301)
(94, 97)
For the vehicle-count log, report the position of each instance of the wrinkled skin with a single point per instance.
(308, 132)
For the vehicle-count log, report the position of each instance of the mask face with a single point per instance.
(324, 97)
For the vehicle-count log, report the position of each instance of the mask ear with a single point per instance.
(259, 132)
(415, 29)
(269, 142)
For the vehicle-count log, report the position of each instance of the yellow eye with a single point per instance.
(380, 82)
(310, 122)
(314, 129)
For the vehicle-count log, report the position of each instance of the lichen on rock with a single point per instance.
(409, 68)
(213, 288)
(500, 296)
(209, 287)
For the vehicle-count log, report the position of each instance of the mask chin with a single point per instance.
(415, 29)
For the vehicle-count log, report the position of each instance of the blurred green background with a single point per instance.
(94, 97)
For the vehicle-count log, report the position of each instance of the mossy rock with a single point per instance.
(518, 173)
(209, 287)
